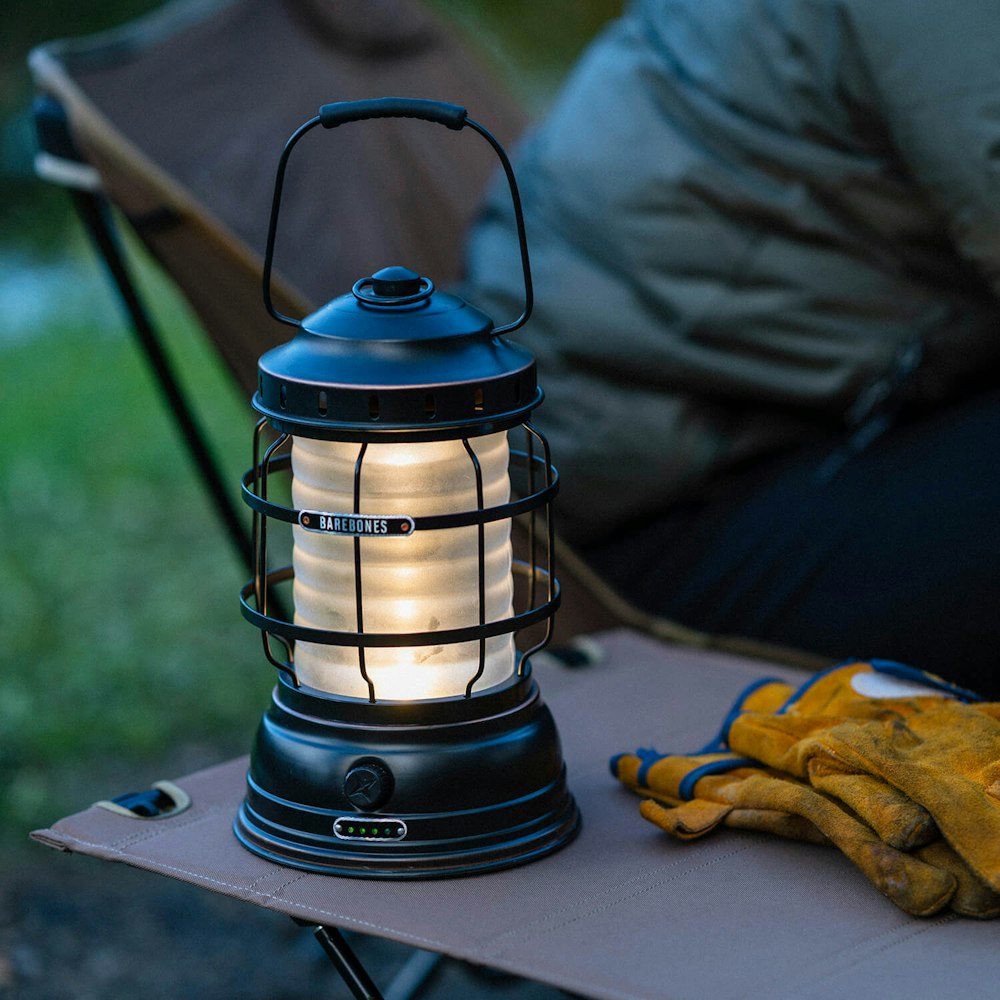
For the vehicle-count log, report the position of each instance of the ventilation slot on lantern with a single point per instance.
(283, 397)
(321, 404)
(478, 400)
(430, 407)
(373, 406)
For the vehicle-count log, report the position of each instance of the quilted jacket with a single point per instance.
(751, 222)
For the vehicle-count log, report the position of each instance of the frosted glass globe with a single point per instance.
(424, 581)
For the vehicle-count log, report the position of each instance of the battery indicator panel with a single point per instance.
(369, 829)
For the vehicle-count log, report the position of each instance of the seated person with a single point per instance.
(765, 238)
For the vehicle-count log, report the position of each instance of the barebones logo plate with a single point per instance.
(364, 525)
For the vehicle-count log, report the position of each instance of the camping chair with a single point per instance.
(176, 119)
(116, 127)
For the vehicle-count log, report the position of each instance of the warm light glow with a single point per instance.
(424, 582)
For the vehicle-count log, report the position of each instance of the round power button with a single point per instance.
(368, 784)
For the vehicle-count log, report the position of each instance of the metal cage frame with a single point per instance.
(543, 587)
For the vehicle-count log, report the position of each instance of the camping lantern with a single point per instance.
(406, 736)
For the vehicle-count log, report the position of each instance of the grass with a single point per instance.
(123, 639)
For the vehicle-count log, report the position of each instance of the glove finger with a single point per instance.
(694, 819)
(948, 761)
(973, 898)
(780, 824)
(915, 887)
(673, 778)
(895, 817)
(688, 821)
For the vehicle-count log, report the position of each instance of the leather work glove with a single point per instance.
(914, 886)
(870, 689)
(946, 759)
(698, 816)
(707, 790)
(876, 690)
(693, 815)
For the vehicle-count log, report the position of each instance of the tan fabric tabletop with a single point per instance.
(622, 912)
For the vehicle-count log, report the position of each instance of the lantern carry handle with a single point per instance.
(452, 116)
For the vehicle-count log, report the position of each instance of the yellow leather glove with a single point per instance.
(694, 815)
(719, 785)
(871, 689)
(863, 690)
(698, 816)
(946, 759)
(725, 791)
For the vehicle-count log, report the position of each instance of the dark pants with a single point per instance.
(895, 554)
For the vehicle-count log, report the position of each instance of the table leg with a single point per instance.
(346, 963)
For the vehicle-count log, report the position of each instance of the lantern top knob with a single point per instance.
(393, 282)
(392, 286)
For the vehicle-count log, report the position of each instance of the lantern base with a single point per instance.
(406, 790)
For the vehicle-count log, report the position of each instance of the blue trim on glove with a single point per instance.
(805, 685)
(721, 742)
(649, 757)
(686, 788)
(893, 669)
(908, 673)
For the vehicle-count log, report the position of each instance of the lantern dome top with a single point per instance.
(396, 356)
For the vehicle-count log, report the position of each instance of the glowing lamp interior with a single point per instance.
(425, 581)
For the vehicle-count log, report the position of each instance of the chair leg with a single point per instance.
(96, 217)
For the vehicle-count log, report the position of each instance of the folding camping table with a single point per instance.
(622, 913)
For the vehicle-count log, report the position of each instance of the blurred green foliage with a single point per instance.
(33, 216)
(29, 22)
(532, 44)
(123, 639)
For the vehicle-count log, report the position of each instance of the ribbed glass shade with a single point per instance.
(425, 581)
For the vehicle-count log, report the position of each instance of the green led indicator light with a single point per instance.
(391, 830)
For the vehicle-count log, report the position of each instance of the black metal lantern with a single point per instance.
(406, 736)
